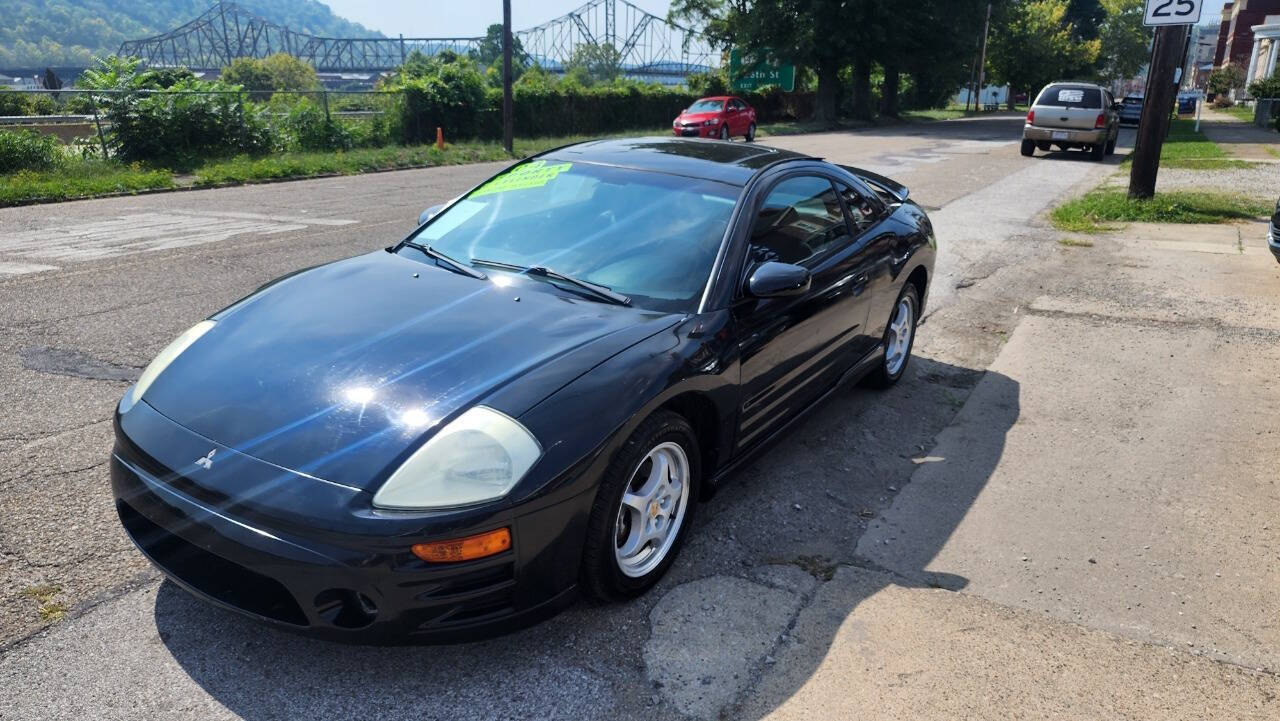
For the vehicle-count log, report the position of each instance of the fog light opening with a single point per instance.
(345, 608)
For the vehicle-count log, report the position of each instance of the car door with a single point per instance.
(792, 349)
(740, 118)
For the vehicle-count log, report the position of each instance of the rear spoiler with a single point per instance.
(892, 187)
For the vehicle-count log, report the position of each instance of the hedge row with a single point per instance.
(574, 110)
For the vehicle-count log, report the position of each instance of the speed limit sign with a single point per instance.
(1173, 12)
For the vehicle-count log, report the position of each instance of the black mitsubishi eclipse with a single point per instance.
(524, 399)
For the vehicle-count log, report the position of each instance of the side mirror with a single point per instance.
(778, 280)
(1117, 107)
(430, 213)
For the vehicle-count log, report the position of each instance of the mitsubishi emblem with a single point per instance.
(206, 462)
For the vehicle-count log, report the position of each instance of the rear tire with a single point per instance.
(1099, 151)
(751, 133)
(899, 339)
(616, 563)
(1111, 145)
(1028, 148)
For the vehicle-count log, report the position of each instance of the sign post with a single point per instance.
(760, 74)
(1171, 18)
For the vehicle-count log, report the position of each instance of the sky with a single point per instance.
(469, 18)
(455, 18)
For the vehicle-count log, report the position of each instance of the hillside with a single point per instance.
(35, 33)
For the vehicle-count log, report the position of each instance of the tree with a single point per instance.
(591, 64)
(264, 76)
(1033, 44)
(933, 42)
(1222, 82)
(1087, 16)
(802, 32)
(489, 52)
(1125, 43)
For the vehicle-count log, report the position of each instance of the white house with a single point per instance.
(1266, 50)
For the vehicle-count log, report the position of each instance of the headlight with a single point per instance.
(713, 121)
(478, 457)
(162, 361)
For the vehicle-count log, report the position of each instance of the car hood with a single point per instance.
(341, 371)
(697, 117)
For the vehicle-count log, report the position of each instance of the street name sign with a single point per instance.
(761, 74)
(1172, 12)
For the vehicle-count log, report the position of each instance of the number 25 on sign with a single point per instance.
(1173, 12)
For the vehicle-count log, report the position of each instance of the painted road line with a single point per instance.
(146, 232)
(271, 218)
(8, 269)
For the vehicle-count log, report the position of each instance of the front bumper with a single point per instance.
(1273, 240)
(697, 131)
(310, 557)
(1062, 136)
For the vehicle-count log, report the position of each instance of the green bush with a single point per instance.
(27, 150)
(307, 128)
(1268, 88)
(185, 128)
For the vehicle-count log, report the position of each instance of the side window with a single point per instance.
(737, 104)
(801, 219)
(864, 211)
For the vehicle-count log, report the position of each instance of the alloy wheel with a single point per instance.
(652, 510)
(900, 332)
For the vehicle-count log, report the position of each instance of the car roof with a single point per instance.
(733, 163)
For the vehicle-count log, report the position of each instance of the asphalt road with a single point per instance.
(998, 536)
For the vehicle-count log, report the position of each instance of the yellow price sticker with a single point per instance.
(529, 175)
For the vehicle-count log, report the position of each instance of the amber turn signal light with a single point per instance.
(464, 549)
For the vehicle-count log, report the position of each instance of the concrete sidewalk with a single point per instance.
(1119, 560)
(1240, 139)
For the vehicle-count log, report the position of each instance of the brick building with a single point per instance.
(1249, 37)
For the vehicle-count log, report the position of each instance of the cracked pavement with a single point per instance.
(1067, 509)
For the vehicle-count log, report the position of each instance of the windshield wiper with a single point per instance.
(599, 291)
(456, 265)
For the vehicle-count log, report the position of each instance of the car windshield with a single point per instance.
(706, 106)
(650, 236)
(1131, 100)
(1070, 96)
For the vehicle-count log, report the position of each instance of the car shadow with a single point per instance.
(806, 502)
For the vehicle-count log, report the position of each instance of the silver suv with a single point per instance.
(1073, 115)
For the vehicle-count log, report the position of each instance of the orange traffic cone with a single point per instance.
(440, 138)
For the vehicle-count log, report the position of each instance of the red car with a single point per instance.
(720, 117)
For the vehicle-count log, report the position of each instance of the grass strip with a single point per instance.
(246, 169)
(1098, 210)
(79, 179)
(1187, 148)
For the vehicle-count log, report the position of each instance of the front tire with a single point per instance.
(643, 510)
(1111, 145)
(1028, 148)
(751, 133)
(899, 339)
(724, 132)
(1099, 151)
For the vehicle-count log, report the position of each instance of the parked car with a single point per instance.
(1273, 233)
(1073, 115)
(720, 117)
(525, 398)
(1131, 110)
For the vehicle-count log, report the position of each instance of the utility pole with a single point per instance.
(508, 108)
(982, 61)
(1166, 55)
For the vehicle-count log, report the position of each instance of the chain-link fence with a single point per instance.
(184, 120)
